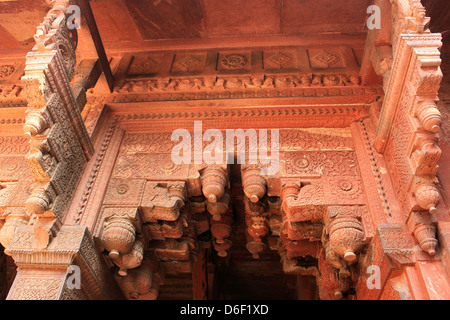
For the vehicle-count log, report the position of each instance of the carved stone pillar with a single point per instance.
(69, 268)
(59, 143)
(409, 123)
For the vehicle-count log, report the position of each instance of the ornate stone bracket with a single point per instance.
(163, 201)
(121, 229)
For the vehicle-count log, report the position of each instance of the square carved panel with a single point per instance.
(145, 65)
(234, 61)
(280, 59)
(324, 59)
(189, 62)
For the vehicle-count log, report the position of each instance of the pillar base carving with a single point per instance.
(69, 268)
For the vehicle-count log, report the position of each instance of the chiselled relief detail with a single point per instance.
(280, 59)
(316, 164)
(146, 65)
(6, 70)
(59, 143)
(189, 62)
(324, 59)
(150, 166)
(234, 61)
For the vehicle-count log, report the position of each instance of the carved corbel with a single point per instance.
(255, 247)
(346, 236)
(429, 116)
(333, 258)
(163, 201)
(36, 122)
(220, 207)
(302, 203)
(40, 199)
(332, 284)
(222, 247)
(426, 195)
(423, 225)
(426, 236)
(214, 182)
(255, 185)
(382, 59)
(221, 229)
(426, 155)
(120, 229)
(418, 22)
(130, 260)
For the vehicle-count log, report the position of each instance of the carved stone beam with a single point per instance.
(69, 268)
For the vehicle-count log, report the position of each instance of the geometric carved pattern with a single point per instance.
(189, 62)
(325, 59)
(274, 59)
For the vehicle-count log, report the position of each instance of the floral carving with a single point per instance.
(234, 61)
(6, 70)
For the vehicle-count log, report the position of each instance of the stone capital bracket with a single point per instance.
(69, 268)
